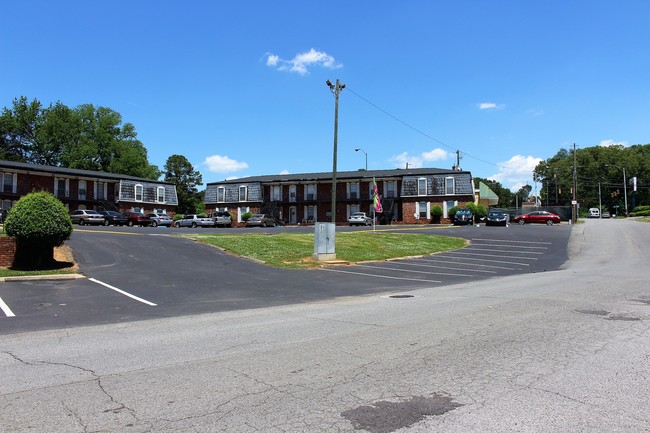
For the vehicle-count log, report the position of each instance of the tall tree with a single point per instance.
(18, 129)
(180, 172)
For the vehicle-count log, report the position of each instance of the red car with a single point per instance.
(137, 218)
(539, 216)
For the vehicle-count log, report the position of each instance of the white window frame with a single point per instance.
(307, 193)
(276, 192)
(4, 177)
(387, 190)
(100, 190)
(66, 192)
(292, 193)
(453, 185)
(352, 193)
(160, 194)
(426, 185)
(138, 186)
(243, 188)
(81, 196)
(306, 213)
(241, 211)
(418, 214)
(221, 194)
(446, 206)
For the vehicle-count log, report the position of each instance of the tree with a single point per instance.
(38, 222)
(180, 172)
(506, 197)
(18, 129)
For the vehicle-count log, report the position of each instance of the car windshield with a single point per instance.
(358, 214)
(463, 212)
(92, 212)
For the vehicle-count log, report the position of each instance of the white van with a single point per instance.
(594, 212)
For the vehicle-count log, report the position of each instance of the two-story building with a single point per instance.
(85, 189)
(407, 195)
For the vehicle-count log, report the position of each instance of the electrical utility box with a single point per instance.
(324, 241)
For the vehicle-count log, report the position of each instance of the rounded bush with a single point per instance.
(38, 219)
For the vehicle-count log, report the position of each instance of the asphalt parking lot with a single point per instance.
(142, 273)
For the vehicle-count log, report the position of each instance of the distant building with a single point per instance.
(86, 189)
(407, 195)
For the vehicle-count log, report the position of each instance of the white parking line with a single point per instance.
(144, 301)
(380, 276)
(5, 308)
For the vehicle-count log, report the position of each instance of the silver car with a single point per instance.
(86, 216)
(194, 220)
(359, 219)
(160, 220)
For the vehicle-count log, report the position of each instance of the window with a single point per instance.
(448, 205)
(82, 190)
(7, 182)
(243, 193)
(353, 208)
(310, 192)
(310, 213)
(449, 185)
(292, 193)
(240, 212)
(276, 193)
(221, 194)
(353, 191)
(391, 189)
(160, 194)
(423, 210)
(139, 192)
(61, 187)
(100, 191)
(422, 186)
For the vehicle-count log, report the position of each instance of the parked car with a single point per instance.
(86, 216)
(539, 216)
(194, 220)
(593, 212)
(160, 220)
(112, 217)
(261, 220)
(463, 217)
(605, 215)
(222, 218)
(496, 217)
(137, 218)
(359, 219)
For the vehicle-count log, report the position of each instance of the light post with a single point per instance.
(364, 152)
(624, 183)
(336, 90)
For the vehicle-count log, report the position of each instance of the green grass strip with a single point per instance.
(295, 250)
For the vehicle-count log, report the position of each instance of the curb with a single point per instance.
(54, 277)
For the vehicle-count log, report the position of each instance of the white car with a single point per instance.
(359, 218)
(194, 220)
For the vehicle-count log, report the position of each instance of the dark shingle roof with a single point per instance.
(340, 175)
(64, 171)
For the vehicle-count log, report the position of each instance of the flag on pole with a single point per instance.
(376, 200)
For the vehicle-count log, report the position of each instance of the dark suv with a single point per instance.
(464, 216)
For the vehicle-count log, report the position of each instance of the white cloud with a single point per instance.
(516, 172)
(610, 142)
(223, 164)
(490, 106)
(417, 161)
(302, 61)
(284, 172)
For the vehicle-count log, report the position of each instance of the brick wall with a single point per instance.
(7, 251)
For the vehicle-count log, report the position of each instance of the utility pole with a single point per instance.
(574, 201)
(336, 90)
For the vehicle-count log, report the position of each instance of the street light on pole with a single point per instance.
(624, 183)
(364, 152)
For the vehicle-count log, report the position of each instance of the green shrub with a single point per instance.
(436, 211)
(481, 212)
(38, 222)
(245, 217)
(452, 212)
(472, 208)
(177, 217)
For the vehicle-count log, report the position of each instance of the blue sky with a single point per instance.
(239, 87)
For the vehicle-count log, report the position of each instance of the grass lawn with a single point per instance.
(295, 250)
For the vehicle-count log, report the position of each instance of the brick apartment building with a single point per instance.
(85, 189)
(407, 195)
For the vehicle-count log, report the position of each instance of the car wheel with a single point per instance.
(154, 224)
(549, 222)
(82, 222)
(522, 221)
(106, 223)
(178, 225)
(130, 224)
(193, 225)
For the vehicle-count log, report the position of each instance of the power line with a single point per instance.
(427, 135)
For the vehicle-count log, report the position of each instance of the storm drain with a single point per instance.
(401, 296)
(387, 416)
(594, 312)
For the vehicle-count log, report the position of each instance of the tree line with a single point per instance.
(89, 138)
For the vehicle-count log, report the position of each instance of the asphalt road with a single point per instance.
(557, 351)
(144, 273)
